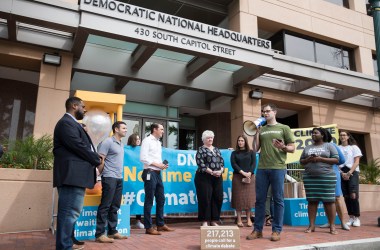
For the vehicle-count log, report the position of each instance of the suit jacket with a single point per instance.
(74, 160)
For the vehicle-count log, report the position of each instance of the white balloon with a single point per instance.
(98, 125)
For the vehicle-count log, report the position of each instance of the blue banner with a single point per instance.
(178, 179)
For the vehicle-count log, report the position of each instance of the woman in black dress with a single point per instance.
(243, 161)
(208, 181)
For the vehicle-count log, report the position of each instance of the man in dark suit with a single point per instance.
(75, 162)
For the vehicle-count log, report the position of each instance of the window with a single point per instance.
(333, 56)
(300, 48)
(375, 69)
(17, 109)
(133, 127)
(172, 135)
(343, 3)
(314, 50)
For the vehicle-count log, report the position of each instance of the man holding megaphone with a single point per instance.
(274, 140)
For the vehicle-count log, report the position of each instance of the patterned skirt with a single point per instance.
(320, 188)
(243, 194)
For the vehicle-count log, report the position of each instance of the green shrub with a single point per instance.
(29, 153)
(370, 172)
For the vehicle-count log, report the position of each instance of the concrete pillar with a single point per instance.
(53, 90)
(357, 5)
(240, 20)
(243, 108)
(363, 60)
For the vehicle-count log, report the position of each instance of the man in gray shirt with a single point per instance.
(112, 184)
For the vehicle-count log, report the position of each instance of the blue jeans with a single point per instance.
(275, 178)
(153, 189)
(70, 204)
(112, 189)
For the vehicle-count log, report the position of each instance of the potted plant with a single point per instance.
(29, 153)
(26, 184)
(370, 172)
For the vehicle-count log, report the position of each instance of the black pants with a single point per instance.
(109, 205)
(349, 187)
(209, 195)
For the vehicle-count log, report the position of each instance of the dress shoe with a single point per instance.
(165, 228)
(117, 236)
(77, 242)
(104, 239)
(152, 231)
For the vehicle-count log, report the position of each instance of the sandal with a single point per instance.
(268, 220)
(249, 224)
(240, 224)
(333, 231)
(310, 230)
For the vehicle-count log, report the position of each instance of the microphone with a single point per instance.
(165, 162)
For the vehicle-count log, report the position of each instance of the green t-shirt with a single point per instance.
(270, 156)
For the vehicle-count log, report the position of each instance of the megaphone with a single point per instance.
(250, 127)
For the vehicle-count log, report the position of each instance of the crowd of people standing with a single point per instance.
(77, 163)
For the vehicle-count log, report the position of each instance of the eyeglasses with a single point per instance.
(343, 135)
(266, 111)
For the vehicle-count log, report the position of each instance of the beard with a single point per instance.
(79, 115)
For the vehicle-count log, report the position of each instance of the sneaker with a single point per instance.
(139, 225)
(104, 239)
(356, 222)
(345, 227)
(327, 225)
(117, 236)
(350, 222)
(275, 236)
(255, 235)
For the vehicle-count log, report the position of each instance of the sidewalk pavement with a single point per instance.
(187, 236)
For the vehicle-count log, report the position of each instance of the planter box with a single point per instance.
(369, 197)
(26, 199)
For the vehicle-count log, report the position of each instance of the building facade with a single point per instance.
(192, 65)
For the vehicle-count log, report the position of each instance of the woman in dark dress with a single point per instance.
(208, 181)
(243, 161)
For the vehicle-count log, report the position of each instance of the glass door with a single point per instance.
(133, 127)
(146, 131)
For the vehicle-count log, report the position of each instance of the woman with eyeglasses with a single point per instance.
(319, 177)
(350, 176)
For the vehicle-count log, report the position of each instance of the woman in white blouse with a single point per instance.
(350, 176)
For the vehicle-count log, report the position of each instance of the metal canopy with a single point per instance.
(63, 26)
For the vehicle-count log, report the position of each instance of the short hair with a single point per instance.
(324, 133)
(246, 145)
(154, 126)
(271, 105)
(71, 101)
(117, 125)
(207, 133)
(132, 140)
(351, 139)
